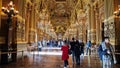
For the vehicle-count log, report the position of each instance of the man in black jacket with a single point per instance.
(77, 52)
(72, 44)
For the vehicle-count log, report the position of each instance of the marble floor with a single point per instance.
(51, 58)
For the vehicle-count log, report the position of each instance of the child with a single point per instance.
(65, 55)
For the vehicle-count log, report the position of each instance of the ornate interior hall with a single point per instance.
(32, 31)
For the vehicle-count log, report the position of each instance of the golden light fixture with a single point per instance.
(10, 11)
(117, 13)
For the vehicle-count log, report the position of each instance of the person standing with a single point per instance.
(65, 55)
(106, 54)
(88, 47)
(77, 52)
(72, 48)
(39, 46)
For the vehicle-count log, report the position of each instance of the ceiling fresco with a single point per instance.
(62, 12)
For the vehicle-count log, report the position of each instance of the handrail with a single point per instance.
(10, 52)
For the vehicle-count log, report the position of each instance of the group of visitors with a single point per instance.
(50, 43)
(105, 51)
(76, 47)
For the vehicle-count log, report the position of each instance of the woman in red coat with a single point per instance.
(65, 55)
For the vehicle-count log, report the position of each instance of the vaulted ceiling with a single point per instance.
(62, 12)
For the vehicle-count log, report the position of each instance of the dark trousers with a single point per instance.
(77, 59)
(65, 63)
(88, 50)
(73, 56)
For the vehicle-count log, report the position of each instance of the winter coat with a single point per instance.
(102, 50)
(72, 44)
(65, 54)
(77, 49)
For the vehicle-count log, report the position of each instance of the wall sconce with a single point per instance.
(10, 11)
(117, 13)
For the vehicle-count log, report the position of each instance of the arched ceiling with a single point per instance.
(62, 12)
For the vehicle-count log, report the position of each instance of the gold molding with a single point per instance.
(21, 42)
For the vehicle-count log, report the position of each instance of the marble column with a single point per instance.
(27, 23)
(84, 30)
(93, 26)
(31, 25)
(88, 23)
(35, 23)
(106, 9)
(32, 16)
(97, 28)
(80, 31)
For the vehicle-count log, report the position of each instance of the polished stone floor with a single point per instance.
(51, 58)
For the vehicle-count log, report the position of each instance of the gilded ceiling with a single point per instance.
(62, 12)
